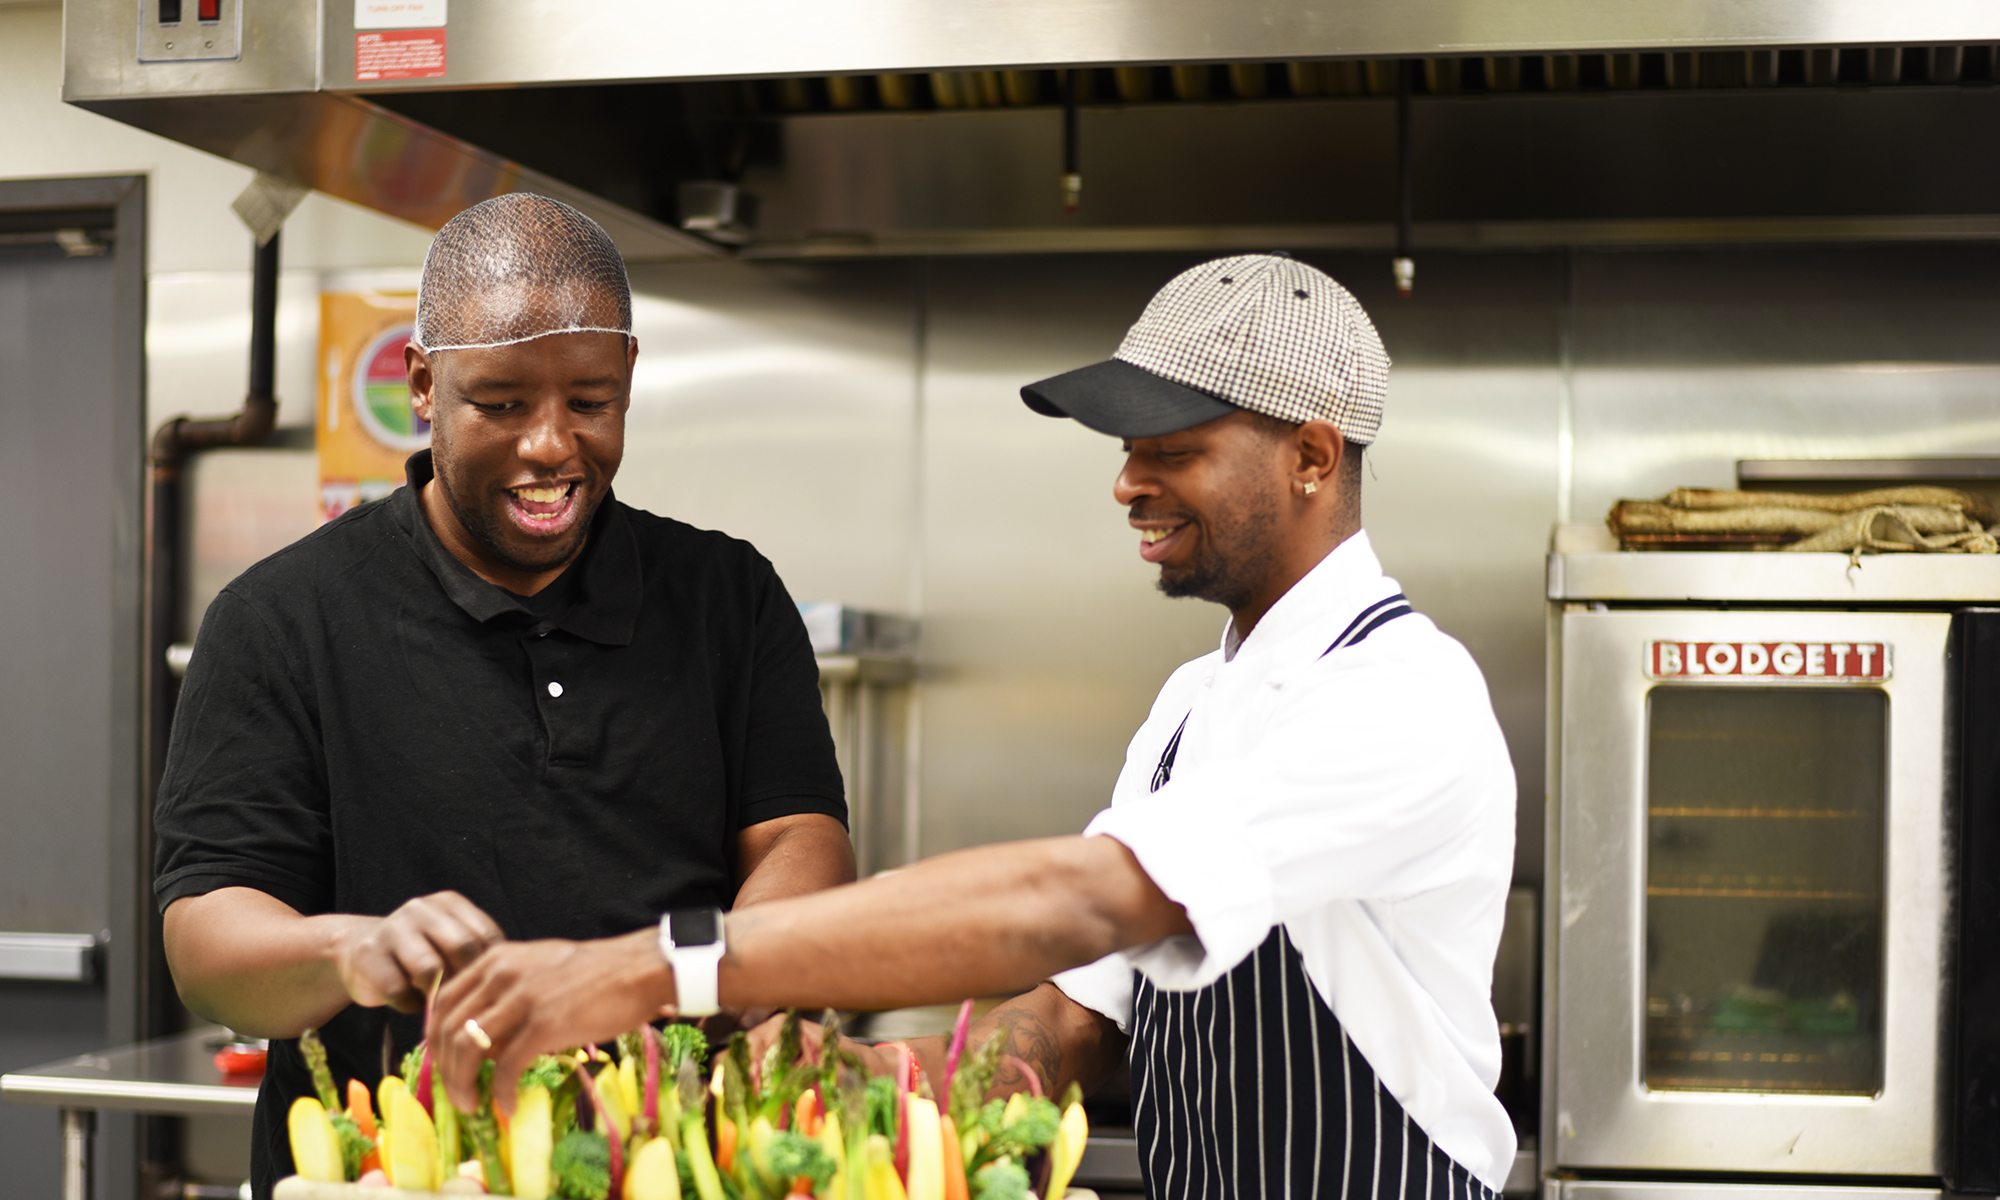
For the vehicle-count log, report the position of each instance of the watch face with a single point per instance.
(694, 927)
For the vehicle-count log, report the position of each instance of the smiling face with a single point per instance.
(525, 440)
(1205, 502)
(1221, 507)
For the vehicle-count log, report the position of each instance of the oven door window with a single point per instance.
(1764, 889)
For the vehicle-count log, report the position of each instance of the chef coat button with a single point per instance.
(555, 689)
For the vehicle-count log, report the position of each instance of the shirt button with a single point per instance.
(555, 689)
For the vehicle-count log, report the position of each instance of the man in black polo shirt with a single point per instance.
(498, 703)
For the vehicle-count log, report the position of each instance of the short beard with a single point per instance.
(483, 528)
(1230, 578)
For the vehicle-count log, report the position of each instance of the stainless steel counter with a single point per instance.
(1680, 576)
(169, 1077)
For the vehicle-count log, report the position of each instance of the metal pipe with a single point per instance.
(166, 556)
(181, 437)
(77, 1126)
(1405, 266)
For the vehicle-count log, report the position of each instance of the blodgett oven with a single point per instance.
(1772, 927)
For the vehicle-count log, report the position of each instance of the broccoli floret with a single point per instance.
(790, 1155)
(581, 1166)
(680, 1042)
(353, 1145)
(1033, 1130)
(1002, 1180)
(546, 1071)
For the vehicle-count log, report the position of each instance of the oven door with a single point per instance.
(1750, 928)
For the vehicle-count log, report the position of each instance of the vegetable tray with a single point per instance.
(295, 1188)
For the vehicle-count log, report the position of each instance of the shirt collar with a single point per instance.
(609, 584)
(1337, 587)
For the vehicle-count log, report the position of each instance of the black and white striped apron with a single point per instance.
(1249, 1087)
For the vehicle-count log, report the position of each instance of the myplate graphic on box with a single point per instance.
(1796, 662)
(398, 39)
(366, 425)
(382, 394)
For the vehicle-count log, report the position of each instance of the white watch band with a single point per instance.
(695, 967)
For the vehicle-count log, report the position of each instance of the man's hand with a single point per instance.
(530, 998)
(397, 960)
(250, 961)
(1062, 1040)
(878, 1059)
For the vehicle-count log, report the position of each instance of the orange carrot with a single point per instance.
(362, 1113)
(955, 1186)
(809, 1120)
(360, 1109)
(725, 1142)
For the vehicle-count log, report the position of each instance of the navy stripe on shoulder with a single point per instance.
(1369, 619)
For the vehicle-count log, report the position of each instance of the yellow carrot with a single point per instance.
(628, 1087)
(836, 1149)
(412, 1160)
(881, 1181)
(1067, 1150)
(531, 1139)
(653, 1175)
(760, 1135)
(610, 1093)
(926, 1170)
(390, 1084)
(315, 1145)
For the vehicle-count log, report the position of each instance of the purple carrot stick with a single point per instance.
(957, 1048)
(652, 1105)
(423, 1088)
(613, 1141)
(1021, 1065)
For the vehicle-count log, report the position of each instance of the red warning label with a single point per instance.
(399, 54)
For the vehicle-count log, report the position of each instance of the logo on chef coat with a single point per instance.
(382, 394)
(1796, 662)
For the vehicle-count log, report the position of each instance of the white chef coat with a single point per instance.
(1363, 799)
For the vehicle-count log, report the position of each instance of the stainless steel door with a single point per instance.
(72, 413)
(1749, 928)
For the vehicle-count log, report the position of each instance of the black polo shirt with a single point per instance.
(365, 720)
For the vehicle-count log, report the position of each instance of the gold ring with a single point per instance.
(478, 1035)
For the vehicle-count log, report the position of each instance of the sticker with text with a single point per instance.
(399, 54)
(1815, 661)
(399, 14)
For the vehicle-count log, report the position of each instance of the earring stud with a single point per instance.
(1311, 487)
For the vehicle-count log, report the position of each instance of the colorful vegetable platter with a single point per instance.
(656, 1121)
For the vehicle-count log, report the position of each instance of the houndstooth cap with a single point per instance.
(1256, 331)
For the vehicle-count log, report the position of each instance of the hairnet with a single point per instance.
(519, 267)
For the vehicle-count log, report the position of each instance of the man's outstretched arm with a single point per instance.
(255, 964)
(990, 921)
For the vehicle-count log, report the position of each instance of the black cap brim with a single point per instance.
(1123, 400)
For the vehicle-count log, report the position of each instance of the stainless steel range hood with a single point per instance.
(872, 126)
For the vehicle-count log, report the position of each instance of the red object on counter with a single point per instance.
(240, 1060)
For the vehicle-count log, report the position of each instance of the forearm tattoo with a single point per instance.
(1033, 1042)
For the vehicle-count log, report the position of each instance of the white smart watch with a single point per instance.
(691, 941)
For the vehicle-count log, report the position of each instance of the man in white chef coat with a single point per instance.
(1286, 919)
